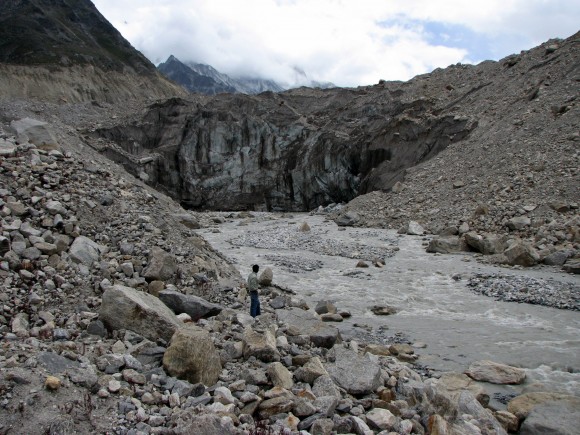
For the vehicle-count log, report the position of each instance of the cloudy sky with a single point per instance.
(346, 42)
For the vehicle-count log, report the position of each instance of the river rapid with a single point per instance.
(450, 325)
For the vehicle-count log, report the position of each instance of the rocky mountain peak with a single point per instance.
(205, 79)
(66, 50)
(64, 32)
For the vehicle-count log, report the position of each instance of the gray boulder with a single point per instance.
(572, 266)
(558, 258)
(162, 265)
(187, 220)
(36, 132)
(310, 371)
(522, 254)
(196, 307)
(454, 383)
(552, 419)
(191, 356)
(127, 308)
(85, 251)
(7, 149)
(347, 219)
(261, 345)
(413, 229)
(55, 363)
(305, 323)
(266, 277)
(204, 424)
(522, 405)
(518, 223)
(323, 307)
(280, 376)
(487, 243)
(356, 374)
(495, 373)
(325, 386)
(445, 245)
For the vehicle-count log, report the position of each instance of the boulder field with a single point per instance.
(116, 317)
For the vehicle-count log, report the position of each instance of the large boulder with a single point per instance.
(553, 419)
(261, 345)
(382, 419)
(266, 277)
(522, 254)
(495, 373)
(445, 245)
(523, 404)
(36, 132)
(194, 306)
(303, 322)
(347, 219)
(558, 258)
(486, 243)
(191, 356)
(280, 376)
(413, 228)
(85, 251)
(126, 308)
(453, 384)
(356, 374)
(519, 223)
(162, 265)
(324, 307)
(310, 371)
(572, 266)
(7, 149)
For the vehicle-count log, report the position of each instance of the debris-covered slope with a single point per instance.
(517, 172)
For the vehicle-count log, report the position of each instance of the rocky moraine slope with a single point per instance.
(488, 153)
(115, 317)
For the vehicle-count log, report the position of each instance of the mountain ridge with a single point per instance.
(205, 79)
(486, 157)
(65, 50)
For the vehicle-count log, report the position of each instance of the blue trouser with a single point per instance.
(254, 304)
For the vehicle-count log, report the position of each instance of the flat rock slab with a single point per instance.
(495, 373)
(305, 323)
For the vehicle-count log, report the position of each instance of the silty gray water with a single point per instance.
(429, 291)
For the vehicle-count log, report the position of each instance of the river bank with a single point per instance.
(437, 297)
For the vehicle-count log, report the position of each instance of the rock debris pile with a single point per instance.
(115, 319)
(514, 180)
(511, 288)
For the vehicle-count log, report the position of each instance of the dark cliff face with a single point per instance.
(306, 147)
(64, 33)
(291, 151)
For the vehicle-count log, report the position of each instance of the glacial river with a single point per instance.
(455, 325)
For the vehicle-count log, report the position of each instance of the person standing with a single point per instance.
(253, 289)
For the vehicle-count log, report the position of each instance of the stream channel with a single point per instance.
(450, 325)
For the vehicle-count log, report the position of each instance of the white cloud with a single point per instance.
(347, 42)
